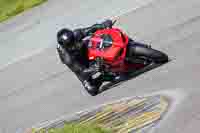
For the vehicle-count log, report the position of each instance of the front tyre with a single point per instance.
(146, 52)
(158, 56)
(152, 54)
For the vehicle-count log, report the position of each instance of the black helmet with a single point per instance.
(65, 37)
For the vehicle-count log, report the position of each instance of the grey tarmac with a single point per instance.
(40, 88)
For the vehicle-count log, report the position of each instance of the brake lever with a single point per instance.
(114, 22)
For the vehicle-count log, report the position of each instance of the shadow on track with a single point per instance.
(132, 75)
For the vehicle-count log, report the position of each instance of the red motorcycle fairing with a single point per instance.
(113, 55)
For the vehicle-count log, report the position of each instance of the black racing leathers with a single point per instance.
(76, 57)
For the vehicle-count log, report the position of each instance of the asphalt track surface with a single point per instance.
(39, 87)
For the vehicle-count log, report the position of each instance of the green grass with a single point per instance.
(10, 8)
(77, 128)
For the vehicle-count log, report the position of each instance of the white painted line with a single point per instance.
(25, 56)
(123, 12)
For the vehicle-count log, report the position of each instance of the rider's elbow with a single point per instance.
(78, 35)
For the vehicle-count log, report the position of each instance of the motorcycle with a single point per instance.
(130, 56)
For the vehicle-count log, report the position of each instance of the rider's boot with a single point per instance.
(88, 85)
(91, 85)
(81, 72)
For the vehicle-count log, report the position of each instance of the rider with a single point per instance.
(73, 52)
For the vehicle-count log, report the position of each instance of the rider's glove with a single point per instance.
(108, 23)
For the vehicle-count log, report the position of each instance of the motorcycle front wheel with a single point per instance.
(141, 51)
